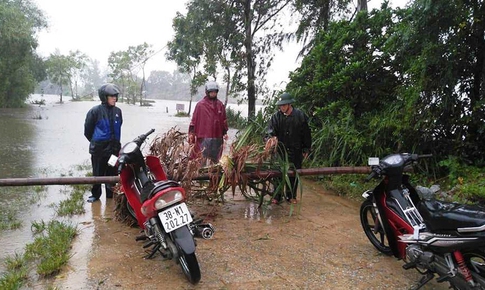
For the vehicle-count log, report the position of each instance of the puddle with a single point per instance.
(252, 212)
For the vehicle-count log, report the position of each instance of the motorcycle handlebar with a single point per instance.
(370, 176)
(140, 139)
(377, 170)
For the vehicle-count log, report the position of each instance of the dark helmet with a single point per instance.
(284, 99)
(211, 87)
(108, 90)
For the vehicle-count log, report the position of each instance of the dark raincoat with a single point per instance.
(102, 128)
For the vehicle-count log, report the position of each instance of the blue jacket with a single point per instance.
(102, 128)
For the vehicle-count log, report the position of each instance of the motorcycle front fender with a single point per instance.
(184, 239)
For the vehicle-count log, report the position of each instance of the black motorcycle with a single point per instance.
(436, 238)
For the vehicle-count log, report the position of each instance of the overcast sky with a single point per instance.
(99, 27)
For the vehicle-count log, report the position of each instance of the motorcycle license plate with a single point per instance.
(175, 217)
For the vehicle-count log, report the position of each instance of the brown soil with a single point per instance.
(322, 247)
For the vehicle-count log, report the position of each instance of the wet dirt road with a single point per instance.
(323, 247)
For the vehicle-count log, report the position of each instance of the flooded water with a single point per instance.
(48, 141)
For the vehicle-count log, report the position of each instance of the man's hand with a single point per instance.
(191, 138)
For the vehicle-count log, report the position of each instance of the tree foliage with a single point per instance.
(66, 70)
(20, 67)
(166, 85)
(398, 80)
(237, 37)
(442, 48)
(124, 67)
(186, 49)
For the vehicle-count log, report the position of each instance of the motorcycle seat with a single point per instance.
(162, 185)
(442, 216)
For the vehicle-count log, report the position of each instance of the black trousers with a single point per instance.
(101, 168)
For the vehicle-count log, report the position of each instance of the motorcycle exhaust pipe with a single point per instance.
(204, 231)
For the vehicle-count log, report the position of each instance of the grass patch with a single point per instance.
(182, 114)
(9, 220)
(349, 185)
(13, 279)
(75, 203)
(40, 102)
(49, 253)
(50, 249)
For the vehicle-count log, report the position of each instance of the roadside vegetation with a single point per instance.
(49, 252)
(74, 204)
(16, 199)
(458, 181)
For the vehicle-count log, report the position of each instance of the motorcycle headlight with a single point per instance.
(169, 198)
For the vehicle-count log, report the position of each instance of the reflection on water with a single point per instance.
(252, 212)
(17, 133)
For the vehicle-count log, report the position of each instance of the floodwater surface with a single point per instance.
(48, 141)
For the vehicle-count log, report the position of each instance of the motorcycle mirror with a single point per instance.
(373, 161)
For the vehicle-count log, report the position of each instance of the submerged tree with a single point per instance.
(125, 66)
(66, 70)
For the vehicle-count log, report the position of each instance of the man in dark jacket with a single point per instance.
(208, 127)
(290, 126)
(102, 128)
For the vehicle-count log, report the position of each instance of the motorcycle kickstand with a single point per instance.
(153, 251)
(425, 279)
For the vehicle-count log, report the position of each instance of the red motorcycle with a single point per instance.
(159, 207)
(433, 237)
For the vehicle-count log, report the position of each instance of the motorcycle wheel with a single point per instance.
(373, 229)
(190, 267)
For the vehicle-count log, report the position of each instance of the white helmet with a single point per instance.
(211, 87)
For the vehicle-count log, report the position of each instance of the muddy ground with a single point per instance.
(322, 247)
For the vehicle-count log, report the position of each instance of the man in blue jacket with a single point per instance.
(102, 128)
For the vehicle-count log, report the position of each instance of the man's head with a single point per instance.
(108, 93)
(211, 89)
(284, 103)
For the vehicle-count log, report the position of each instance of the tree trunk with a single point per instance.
(228, 85)
(250, 60)
(362, 5)
(142, 87)
(475, 132)
(60, 95)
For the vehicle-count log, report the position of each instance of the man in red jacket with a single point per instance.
(208, 127)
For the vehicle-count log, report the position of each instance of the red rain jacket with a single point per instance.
(208, 121)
